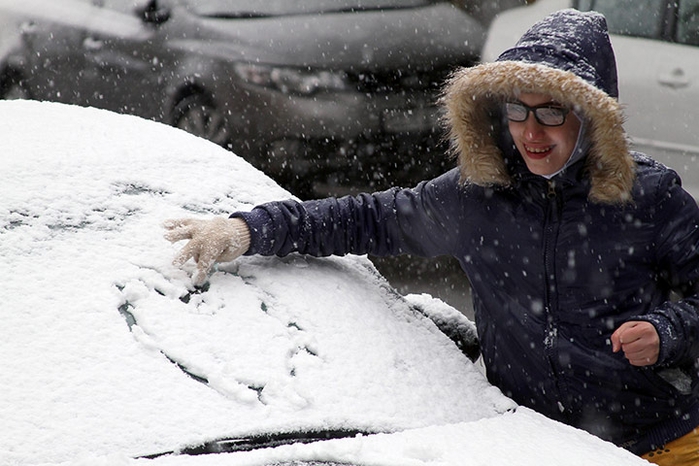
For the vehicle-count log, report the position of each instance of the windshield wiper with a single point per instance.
(257, 442)
(237, 15)
(301, 12)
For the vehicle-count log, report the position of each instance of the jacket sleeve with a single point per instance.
(392, 222)
(677, 321)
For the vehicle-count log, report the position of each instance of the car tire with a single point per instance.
(198, 114)
(13, 87)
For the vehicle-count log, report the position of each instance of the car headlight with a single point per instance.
(292, 80)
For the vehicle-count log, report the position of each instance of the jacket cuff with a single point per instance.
(261, 231)
(668, 339)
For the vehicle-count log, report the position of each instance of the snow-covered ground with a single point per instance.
(108, 353)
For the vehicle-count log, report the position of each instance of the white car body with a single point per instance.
(110, 356)
(658, 86)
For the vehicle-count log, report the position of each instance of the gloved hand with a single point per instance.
(210, 241)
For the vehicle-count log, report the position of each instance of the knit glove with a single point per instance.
(210, 241)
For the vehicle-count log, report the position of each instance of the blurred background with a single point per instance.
(330, 97)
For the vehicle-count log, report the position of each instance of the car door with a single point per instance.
(678, 76)
(121, 64)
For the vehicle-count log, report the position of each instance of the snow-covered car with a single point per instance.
(657, 50)
(323, 96)
(111, 357)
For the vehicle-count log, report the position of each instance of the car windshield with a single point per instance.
(267, 8)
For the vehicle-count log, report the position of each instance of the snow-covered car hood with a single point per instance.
(109, 353)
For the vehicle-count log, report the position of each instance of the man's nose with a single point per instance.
(531, 126)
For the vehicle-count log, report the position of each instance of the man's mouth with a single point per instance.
(538, 152)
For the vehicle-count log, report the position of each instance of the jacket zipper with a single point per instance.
(551, 230)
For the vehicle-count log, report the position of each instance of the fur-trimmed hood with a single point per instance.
(568, 56)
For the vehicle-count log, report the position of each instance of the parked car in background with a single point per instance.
(657, 50)
(323, 96)
(111, 357)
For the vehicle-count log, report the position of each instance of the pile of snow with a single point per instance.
(109, 353)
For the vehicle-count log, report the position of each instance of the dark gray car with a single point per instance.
(322, 95)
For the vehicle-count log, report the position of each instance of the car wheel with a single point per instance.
(13, 87)
(197, 114)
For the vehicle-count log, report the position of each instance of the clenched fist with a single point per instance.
(210, 241)
(639, 341)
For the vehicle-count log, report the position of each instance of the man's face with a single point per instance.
(545, 149)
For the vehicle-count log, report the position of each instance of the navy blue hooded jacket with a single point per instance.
(555, 265)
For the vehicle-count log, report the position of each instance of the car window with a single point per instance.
(644, 18)
(638, 18)
(688, 22)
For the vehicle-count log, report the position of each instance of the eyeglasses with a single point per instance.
(546, 114)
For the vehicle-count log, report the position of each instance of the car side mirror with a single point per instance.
(153, 13)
